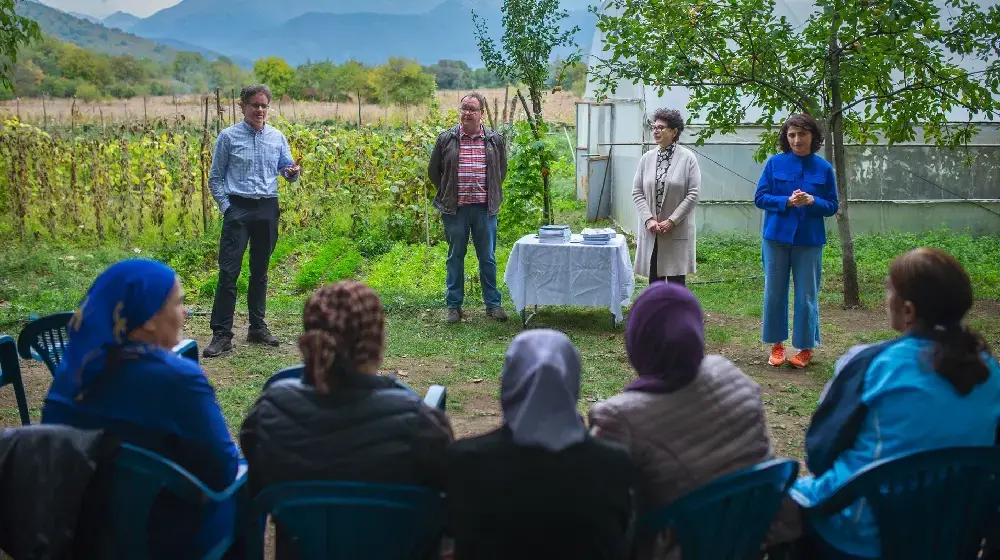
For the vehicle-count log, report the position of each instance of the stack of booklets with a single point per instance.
(553, 234)
(593, 236)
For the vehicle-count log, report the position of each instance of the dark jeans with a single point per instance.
(476, 220)
(246, 220)
(654, 277)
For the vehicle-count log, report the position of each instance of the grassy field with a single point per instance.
(468, 357)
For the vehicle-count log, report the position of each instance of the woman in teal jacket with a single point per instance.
(935, 386)
(797, 191)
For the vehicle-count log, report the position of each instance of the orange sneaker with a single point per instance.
(777, 358)
(801, 359)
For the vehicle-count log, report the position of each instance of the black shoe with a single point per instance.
(220, 344)
(262, 336)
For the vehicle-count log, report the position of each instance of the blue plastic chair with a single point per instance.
(10, 373)
(140, 475)
(350, 520)
(436, 396)
(928, 505)
(727, 518)
(290, 372)
(187, 348)
(44, 339)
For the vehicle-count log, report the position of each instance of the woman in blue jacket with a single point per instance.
(797, 191)
(118, 374)
(936, 386)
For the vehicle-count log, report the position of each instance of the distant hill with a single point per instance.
(120, 20)
(98, 38)
(444, 32)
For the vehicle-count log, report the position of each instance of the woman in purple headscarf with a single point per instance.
(540, 486)
(687, 418)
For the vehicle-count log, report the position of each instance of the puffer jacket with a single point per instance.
(369, 429)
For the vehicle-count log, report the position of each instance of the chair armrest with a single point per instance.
(235, 487)
(187, 348)
(436, 397)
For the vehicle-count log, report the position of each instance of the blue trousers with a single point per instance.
(803, 265)
(474, 220)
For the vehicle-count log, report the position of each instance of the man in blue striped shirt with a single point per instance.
(249, 156)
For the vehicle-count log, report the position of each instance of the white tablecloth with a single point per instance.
(570, 274)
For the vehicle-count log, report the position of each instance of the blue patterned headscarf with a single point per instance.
(120, 300)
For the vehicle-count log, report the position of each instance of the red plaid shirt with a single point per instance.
(472, 168)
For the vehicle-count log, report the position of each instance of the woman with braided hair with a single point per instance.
(342, 421)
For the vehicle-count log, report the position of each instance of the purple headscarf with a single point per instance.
(539, 388)
(665, 338)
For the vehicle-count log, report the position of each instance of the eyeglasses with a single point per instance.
(467, 109)
(260, 106)
(659, 128)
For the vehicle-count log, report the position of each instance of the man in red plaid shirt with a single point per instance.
(468, 166)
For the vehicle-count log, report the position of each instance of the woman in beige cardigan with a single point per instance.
(665, 192)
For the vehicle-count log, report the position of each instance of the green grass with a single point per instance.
(41, 278)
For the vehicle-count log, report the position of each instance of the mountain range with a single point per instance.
(300, 30)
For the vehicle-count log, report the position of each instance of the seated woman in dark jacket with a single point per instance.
(342, 421)
(540, 486)
(118, 374)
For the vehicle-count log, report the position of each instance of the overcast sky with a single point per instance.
(104, 8)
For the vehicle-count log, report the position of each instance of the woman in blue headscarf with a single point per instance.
(540, 486)
(118, 374)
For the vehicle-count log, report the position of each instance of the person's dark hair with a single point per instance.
(672, 117)
(248, 92)
(805, 122)
(940, 290)
(478, 97)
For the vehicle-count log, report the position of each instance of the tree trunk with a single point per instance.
(852, 295)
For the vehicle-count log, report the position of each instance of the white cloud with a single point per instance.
(104, 8)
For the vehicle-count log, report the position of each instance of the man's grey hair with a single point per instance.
(478, 97)
(251, 90)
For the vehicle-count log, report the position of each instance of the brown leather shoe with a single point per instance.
(497, 313)
(454, 315)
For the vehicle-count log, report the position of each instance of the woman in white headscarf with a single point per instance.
(540, 486)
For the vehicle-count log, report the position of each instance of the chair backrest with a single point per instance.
(140, 475)
(44, 339)
(187, 348)
(728, 517)
(347, 520)
(10, 374)
(930, 504)
(290, 372)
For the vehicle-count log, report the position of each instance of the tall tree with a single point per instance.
(531, 31)
(15, 31)
(276, 73)
(873, 70)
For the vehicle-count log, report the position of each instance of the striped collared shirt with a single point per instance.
(472, 168)
(247, 163)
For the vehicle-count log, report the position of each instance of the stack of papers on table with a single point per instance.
(593, 236)
(553, 234)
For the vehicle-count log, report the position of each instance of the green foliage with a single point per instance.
(531, 31)
(51, 67)
(401, 81)
(896, 63)
(522, 196)
(336, 260)
(16, 31)
(276, 73)
(456, 74)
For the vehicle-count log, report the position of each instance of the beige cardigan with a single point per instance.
(679, 441)
(676, 249)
